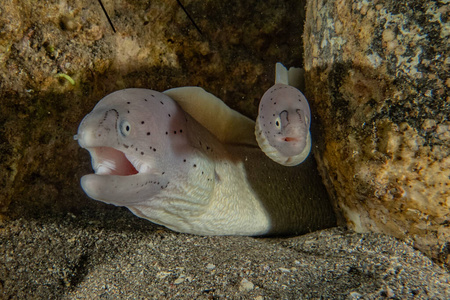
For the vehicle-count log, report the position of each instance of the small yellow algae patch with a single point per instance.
(67, 77)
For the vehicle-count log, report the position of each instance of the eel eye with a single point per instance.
(125, 128)
(278, 123)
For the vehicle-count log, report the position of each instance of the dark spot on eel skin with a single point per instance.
(142, 122)
(142, 153)
(128, 102)
(167, 132)
(184, 160)
(126, 146)
(195, 166)
(175, 132)
(160, 102)
(148, 133)
(154, 149)
(128, 111)
(169, 115)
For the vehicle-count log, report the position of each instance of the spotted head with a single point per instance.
(283, 122)
(134, 136)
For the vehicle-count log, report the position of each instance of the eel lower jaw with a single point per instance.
(110, 161)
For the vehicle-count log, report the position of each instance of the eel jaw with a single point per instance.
(110, 161)
(120, 179)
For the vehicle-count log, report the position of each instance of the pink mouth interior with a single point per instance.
(290, 139)
(109, 161)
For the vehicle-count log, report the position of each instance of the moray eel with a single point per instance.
(282, 125)
(193, 165)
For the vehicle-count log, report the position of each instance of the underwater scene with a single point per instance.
(225, 149)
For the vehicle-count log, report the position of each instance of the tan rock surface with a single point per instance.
(377, 75)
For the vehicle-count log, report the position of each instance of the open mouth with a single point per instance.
(110, 161)
(290, 139)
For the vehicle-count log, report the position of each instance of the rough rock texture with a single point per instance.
(377, 74)
(115, 255)
(155, 46)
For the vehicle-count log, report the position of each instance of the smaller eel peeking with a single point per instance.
(282, 126)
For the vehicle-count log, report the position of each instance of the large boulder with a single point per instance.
(377, 75)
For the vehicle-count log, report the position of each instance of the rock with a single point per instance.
(104, 255)
(180, 280)
(377, 79)
(246, 285)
